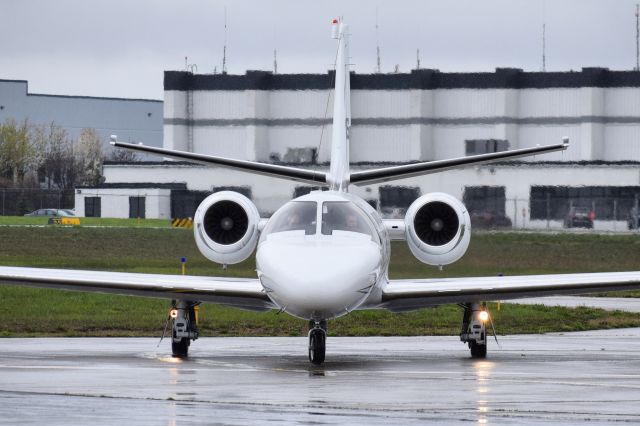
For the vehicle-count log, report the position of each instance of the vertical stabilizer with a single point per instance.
(338, 177)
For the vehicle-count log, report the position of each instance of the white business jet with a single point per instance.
(327, 253)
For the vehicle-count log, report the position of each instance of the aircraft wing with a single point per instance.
(404, 295)
(246, 293)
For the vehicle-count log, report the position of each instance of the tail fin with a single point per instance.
(338, 177)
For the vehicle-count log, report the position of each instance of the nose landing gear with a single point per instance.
(317, 341)
(184, 327)
(474, 330)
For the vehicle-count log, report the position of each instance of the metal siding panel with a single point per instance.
(623, 102)
(465, 103)
(550, 103)
(622, 142)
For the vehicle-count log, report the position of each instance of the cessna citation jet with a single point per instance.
(327, 253)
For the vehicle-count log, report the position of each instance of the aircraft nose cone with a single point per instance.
(318, 278)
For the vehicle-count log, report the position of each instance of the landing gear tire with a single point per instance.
(478, 351)
(184, 327)
(474, 330)
(317, 345)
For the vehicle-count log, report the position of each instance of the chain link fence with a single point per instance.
(18, 201)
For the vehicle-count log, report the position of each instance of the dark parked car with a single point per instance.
(52, 213)
(579, 217)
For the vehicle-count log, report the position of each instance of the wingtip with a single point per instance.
(565, 140)
(114, 139)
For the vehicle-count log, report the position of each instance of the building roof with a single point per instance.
(428, 79)
(136, 185)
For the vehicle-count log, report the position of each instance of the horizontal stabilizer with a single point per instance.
(367, 177)
(274, 170)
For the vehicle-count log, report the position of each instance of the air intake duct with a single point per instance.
(226, 227)
(437, 229)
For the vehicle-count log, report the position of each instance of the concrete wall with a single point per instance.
(238, 117)
(115, 201)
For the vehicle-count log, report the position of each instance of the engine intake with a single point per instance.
(226, 227)
(436, 223)
(438, 229)
(226, 222)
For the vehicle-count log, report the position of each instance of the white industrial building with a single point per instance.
(397, 118)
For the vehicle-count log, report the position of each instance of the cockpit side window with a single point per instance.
(295, 216)
(343, 216)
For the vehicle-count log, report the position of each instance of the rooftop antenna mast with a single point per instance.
(224, 50)
(275, 61)
(377, 45)
(418, 59)
(544, 47)
(637, 38)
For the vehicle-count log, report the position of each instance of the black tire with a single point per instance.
(180, 348)
(317, 346)
(477, 350)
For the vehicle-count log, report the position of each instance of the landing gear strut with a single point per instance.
(184, 327)
(317, 341)
(474, 330)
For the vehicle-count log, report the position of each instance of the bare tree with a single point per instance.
(89, 157)
(58, 166)
(16, 150)
(123, 155)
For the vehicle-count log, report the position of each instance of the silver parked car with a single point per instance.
(52, 213)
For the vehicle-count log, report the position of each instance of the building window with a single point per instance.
(606, 202)
(185, 202)
(394, 200)
(486, 206)
(485, 146)
(137, 207)
(482, 199)
(92, 207)
(301, 156)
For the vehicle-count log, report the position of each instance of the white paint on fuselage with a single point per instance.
(323, 276)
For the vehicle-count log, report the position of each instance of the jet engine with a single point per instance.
(438, 229)
(226, 227)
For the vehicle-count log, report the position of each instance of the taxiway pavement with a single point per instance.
(550, 379)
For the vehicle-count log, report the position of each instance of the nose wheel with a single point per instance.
(317, 341)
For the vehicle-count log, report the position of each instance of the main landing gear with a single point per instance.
(317, 341)
(184, 327)
(474, 330)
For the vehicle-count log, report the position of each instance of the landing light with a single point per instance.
(173, 313)
(484, 316)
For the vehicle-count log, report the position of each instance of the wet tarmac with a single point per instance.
(549, 379)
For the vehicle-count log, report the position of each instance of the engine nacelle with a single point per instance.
(226, 227)
(437, 229)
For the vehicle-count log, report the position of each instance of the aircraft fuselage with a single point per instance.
(322, 255)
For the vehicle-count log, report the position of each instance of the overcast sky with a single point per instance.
(120, 48)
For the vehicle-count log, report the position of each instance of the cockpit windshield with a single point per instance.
(294, 216)
(343, 216)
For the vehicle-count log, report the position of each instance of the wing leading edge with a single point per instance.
(245, 293)
(404, 295)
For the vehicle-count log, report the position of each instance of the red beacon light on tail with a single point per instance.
(334, 28)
